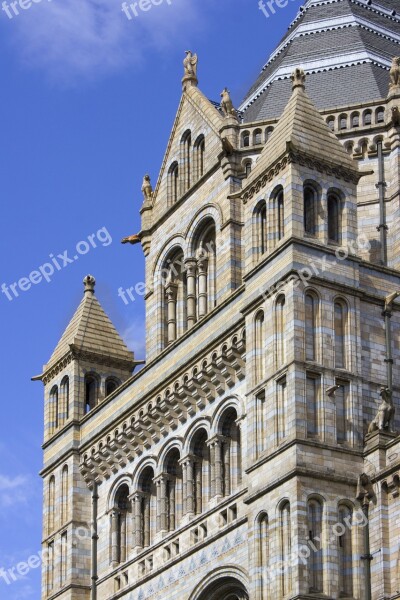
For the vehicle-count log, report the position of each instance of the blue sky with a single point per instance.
(88, 99)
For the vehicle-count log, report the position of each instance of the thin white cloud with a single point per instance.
(75, 38)
(13, 491)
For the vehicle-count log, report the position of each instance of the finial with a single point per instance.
(190, 69)
(298, 78)
(89, 282)
(394, 81)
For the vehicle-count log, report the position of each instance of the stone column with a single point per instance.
(146, 520)
(202, 263)
(191, 269)
(114, 538)
(172, 504)
(189, 495)
(226, 451)
(171, 291)
(138, 527)
(162, 503)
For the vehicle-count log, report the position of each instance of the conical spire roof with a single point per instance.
(345, 47)
(302, 128)
(91, 331)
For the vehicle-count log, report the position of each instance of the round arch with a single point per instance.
(228, 583)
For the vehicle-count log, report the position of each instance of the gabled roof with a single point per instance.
(345, 46)
(302, 128)
(90, 330)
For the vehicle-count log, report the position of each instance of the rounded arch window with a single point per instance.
(245, 139)
(257, 137)
(173, 183)
(334, 218)
(111, 385)
(310, 210)
(367, 117)
(343, 122)
(331, 123)
(380, 115)
(91, 391)
(355, 120)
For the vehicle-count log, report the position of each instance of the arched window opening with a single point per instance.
(343, 122)
(286, 548)
(64, 399)
(174, 491)
(260, 224)
(282, 409)
(380, 115)
(263, 553)
(280, 214)
(280, 328)
(340, 326)
(186, 148)
(315, 567)
(200, 480)
(245, 139)
(175, 297)
(331, 123)
(341, 408)
(259, 332)
(313, 386)
(111, 385)
(91, 392)
(64, 495)
(247, 168)
(268, 133)
(355, 120)
(173, 183)
(310, 210)
(54, 408)
(51, 504)
(345, 549)
(367, 118)
(199, 157)
(334, 218)
(120, 526)
(257, 137)
(311, 326)
(230, 453)
(206, 256)
(146, 509)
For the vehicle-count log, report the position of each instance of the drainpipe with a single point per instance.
(364, 496)
(387, 313)
(95, 537)
(381, 185)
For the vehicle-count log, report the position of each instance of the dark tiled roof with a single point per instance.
(330, 88)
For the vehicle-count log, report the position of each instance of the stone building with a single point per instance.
(243, 460)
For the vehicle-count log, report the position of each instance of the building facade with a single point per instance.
(256, 455)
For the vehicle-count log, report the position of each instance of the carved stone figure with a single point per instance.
(227, 104)
(395, 116)
(395, 73)
(298, 78)
(132, 239)
(147, 188)
(190, 65)
(385, 414)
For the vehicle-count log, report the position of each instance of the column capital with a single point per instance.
(137, 496)
(217, 439)
(189, 458)
(171, 290)
(190, 263)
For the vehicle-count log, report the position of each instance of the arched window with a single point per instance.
(367, 117)
(245, 139)
(199, 477)
(280, 328)
(64, 495)
(51, 504)
(341, 408)
(173, 183)
(282, 409)
(280, 213)
(310, 210)
(111, 385)
(186, 149)
(120, 526)
(313, 385)
(231, 454)
(343, 121)
(340, 326)
(206, 256)
(257, 137)
(355, 120)
(146, 509)
(334, 218)
(54, 408)
(260, 228)
(259, 334)
(380, 115)
(64, 399)
(175, 297)
(315, 567)
(199, 156)
(345, 548)
(247, 168)
(286, 548)
(331, 123)
(91, 392)
(311, 326)
(268, 133)
(263, 553)
(174, 491)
